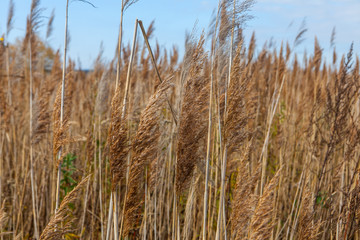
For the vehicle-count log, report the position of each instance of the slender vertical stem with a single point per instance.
(111, 205)
(100, 181)
(62, 105)
(119, 46)
(129, 71)
(218, 227)
(2, 136)
(156, 69)
(206, 194)
(342, 182)
(297, 210)
(224, 165)
(58, 187)
(206, 191)
(266, 142)
(110, 216)
(31, 145)
(222, 194)
(124, 111)
(173, 227)
(8, 74)
(178, 236)
(155, 213)
(64, 64)
(145, 206)
(85, 207)
(116, 220)
(294, 202)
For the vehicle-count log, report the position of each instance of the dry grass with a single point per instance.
(283, 147)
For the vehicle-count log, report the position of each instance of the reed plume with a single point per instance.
(193, 124)
(62, 222)
(4, 109)
(33, 23)
(308, 228)
(60, 128)
(117, 140)
(102, 96)
(145, 151)
(262, 223)
(41, 114)
(341, 97)
(10, 18)
(240, 107)
(9, 27)
(50, 27)
(244, 197)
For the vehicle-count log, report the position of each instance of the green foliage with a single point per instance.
(71, 236)
(321, 199)
(67, 182)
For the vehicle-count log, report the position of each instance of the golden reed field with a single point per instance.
(232, 141)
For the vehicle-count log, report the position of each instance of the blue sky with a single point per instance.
(277, 19)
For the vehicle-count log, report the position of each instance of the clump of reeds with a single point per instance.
(145, 151)
(258, 107)
(192, 127)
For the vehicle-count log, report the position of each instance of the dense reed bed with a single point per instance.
(234, 142)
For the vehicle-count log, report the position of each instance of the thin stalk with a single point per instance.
(129, 71)
(85, 207)
(116, 220)
(111, 204)
(208, 152)
(178, 228)
(8, 76)
(223, 172)
(110, 216)
(155, 213)
(1, 163)
(156, 69)
(222, 195)
(62, 104)
(266, 142)
(145, 206)
(119, 46)
(124, 111)
(230, 57)
(339, 223)
(293, 227)
(100, 181)
(31, 145)
(173, 236)
(289, 219)
(218, 227)
(95, 185)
